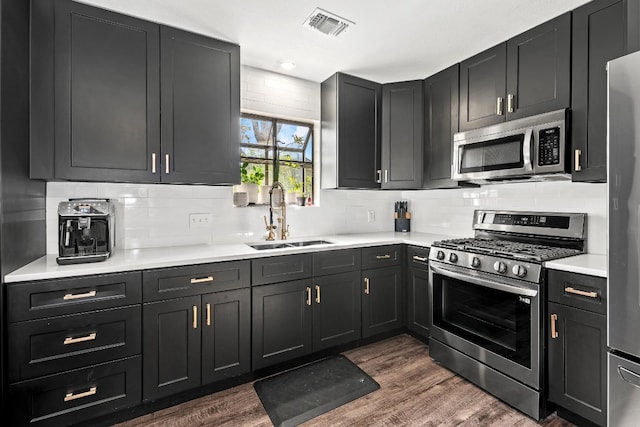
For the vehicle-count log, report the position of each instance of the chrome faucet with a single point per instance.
(281, 206)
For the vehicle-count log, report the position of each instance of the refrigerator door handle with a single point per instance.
(629, 376)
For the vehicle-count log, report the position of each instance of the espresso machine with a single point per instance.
(86, 231)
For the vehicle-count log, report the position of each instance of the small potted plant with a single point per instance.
(251, 178)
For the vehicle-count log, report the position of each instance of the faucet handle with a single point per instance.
(285, 232)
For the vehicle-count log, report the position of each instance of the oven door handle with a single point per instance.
(512, 289)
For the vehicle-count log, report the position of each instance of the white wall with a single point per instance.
(157, 215)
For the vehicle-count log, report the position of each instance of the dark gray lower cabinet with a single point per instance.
(336, 309)
(282, 316)
(578, 362)
(195, 340)
(418, 301)
(382, 300)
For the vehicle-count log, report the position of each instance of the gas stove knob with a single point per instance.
(475, 262)
(519, 270)
(453, 257)
(500, 267)
(440, 255)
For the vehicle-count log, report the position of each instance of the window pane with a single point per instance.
(288, 156)
(291, 176)
(253, 173)
(308, 152)
(256, 137)
(292, 137)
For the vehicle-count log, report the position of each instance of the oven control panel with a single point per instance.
(509, 268)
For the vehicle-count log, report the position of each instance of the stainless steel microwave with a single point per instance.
(532, 147)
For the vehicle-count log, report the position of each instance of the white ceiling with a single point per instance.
(390, 41)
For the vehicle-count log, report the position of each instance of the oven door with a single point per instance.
(492, 320)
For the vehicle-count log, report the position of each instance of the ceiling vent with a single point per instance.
(327, 22)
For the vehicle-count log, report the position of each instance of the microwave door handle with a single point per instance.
(485, 282)
(527, 154)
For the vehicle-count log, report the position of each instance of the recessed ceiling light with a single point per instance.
(287, 65)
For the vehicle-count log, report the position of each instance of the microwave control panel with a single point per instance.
(549, 146)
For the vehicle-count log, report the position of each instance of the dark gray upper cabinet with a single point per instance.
(351, 119)
(440, 123)
(602, 30)
(527, 75)
(200, 88)
(97, 91)
(402, 135)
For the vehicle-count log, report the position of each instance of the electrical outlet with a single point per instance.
(371, 216)
(200, 220)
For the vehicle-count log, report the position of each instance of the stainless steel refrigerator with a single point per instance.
(624, 241)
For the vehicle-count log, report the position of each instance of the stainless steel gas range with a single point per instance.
(488, 298)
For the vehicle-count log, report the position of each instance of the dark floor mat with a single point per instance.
(300, 394)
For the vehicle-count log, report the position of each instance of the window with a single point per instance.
(277, 149)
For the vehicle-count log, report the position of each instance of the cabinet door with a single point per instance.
(482, 88)
(418, 301)
(226, 333)
(440, 123)
(359, 119)
(598, 37)
(578, 362)
(336, 309)
(402, 135)
(282, 316)
(171, 347)
(106, 103)
(382, 300)
(539, 69)
(200, 109)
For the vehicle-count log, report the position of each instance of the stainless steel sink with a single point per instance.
(280, 245)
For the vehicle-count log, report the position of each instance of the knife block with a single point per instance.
(403, 225)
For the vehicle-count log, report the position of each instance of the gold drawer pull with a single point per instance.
(201, 279)
(575, 291)
(208, 314)
(90, 337)
(366, 285)
(387, 256)
(554, 332)
(420, 258)
(72, 396)
(69, 297)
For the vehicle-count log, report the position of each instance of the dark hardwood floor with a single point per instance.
(414, 391)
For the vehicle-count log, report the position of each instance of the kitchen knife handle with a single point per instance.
(366, 286)
(575, 291)
(554, 331)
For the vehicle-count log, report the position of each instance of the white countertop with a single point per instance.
(141, 259)
(591, 264)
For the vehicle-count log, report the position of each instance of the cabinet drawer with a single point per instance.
(166, 283)
(76, 396)
(578, 290)
(47, 346)
(381, 256)
(280, 269)
(340, 261)
(418, 257)
(47, 298)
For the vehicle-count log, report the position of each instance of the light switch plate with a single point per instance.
(371, 216)
(200, 220)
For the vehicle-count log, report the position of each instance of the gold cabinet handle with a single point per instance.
(386, 175)
(90, 337)
(420, 258)
(575, 291)
(72, 396)
(379, 176)
(318, 294)
(308, 295)
(153, 163)
(201, 279)
(387, 256)
(510, 103)
(69, 297)
(366, 285)
(166, 164)
(195, 317)
(499, 103)
(576, 160)
(208, 314)
(554, 331)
